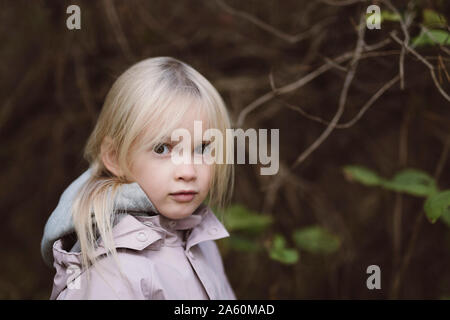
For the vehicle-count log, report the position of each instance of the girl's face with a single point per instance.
(176, 190)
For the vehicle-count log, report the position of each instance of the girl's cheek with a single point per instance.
(208, 173)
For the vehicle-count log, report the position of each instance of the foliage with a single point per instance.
(409, 181)
(431, 37)
(248, 227)
(240, 218)
(438, 205)
(433, 19)
(389, 16)
(279, 252)
(316, 239)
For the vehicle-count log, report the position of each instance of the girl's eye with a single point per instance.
(161, 148)
(203, 147)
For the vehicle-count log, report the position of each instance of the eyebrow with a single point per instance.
(168, 140)
(164, 139)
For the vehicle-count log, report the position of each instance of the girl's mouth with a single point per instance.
(183, 196)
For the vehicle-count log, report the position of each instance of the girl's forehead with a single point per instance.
(188, 110)
(193, 118)
(195, 123)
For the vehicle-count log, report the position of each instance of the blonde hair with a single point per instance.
(143, 106)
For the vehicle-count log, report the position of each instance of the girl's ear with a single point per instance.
(109, 157)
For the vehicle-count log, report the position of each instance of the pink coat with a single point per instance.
(161, 258)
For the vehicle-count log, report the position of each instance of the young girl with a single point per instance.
(137, 225)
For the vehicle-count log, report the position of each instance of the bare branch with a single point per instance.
(31, 76)
(414, 52)
(298, 83)
(361, 112)
(334, 64)
(432, 37)
(147, 19)
(378, 45)
(428, 64)
(287, 88)
(117, 27)
(343, 98)
(83, 83)
(280, 34)
(396, 284)
(404, 25)
(341, 2)
(272, 81)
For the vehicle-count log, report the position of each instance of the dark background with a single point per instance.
(54, 82)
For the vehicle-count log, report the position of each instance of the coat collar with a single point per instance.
(139, 232)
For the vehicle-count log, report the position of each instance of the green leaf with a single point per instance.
(431, 37)
(362, 175)
(278, 242)
(241, 243)
(281, 254)
(316, 239)
(389, 16)
(286, 256)
(238, 217)
(412, 181)
(437, 205)
(433, 19)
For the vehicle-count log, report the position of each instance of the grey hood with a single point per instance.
(130, 198)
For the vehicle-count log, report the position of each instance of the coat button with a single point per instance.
(149, 224)
(142, 236)
(191, 254)
(212, 230)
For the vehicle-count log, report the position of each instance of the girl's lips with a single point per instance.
(183, 196)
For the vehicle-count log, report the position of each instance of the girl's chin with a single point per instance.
(178, 212)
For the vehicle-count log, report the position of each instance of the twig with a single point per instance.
(414, 52)
(31, 77)
(428, 64)
(396, 284)
(427, 31)
(334, 64)
(341, 2)
(271, 190)
(361, 112)
(342, 99)
(117, 27)
(299, 83)
(442, 159)
(83, 83)
(398, 207)
(148, 20)
(280, 34)
(404, 25)
(272, 81)
(378, 45)
(285, 89)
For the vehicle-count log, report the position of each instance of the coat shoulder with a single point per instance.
(128, 276)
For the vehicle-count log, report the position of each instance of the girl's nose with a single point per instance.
(185, 172)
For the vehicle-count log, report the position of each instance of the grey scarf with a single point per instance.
(130, 199)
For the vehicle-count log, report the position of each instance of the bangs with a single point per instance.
(158, 125)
